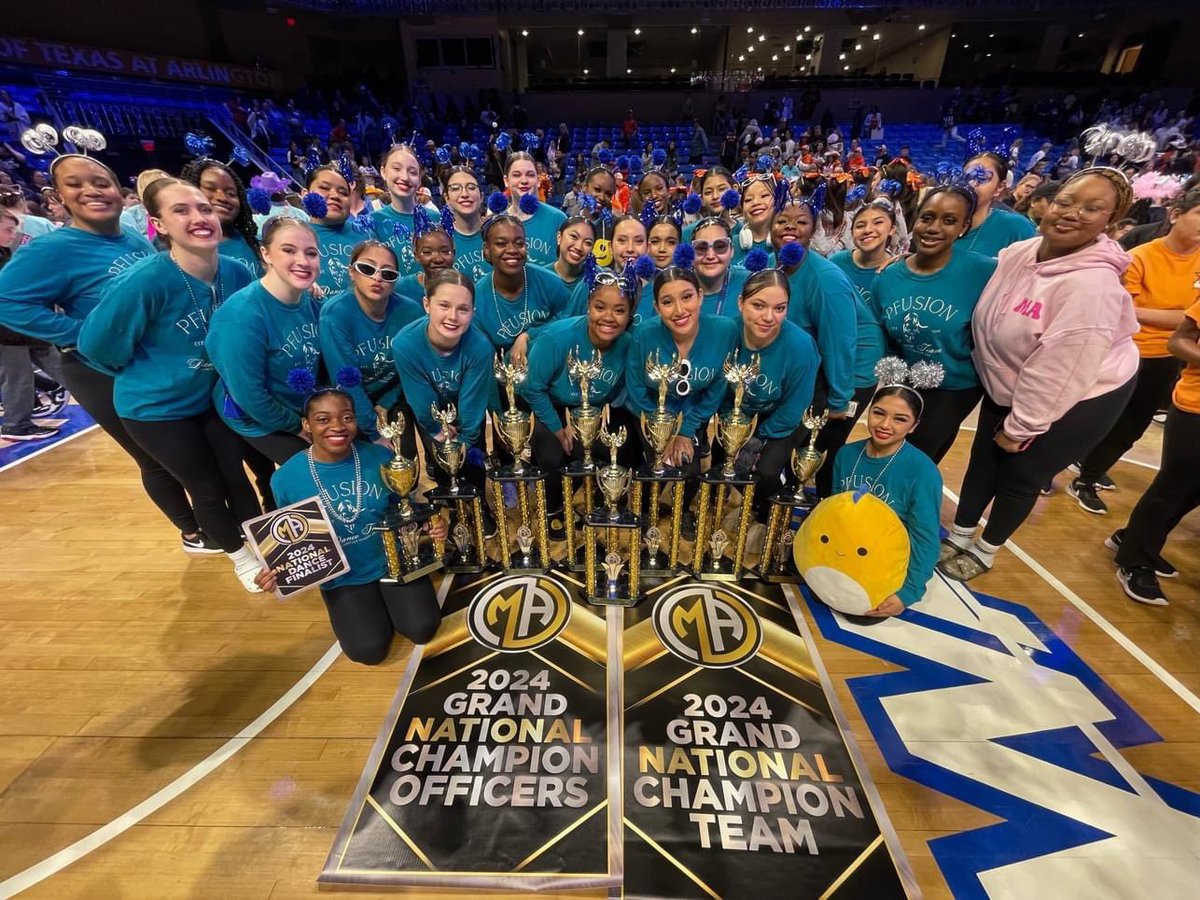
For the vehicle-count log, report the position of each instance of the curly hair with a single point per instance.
(243, 223)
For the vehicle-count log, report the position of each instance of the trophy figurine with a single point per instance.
(515, 428)
(659, 429)
(408, 557)
(776, 563)
(585, 422)
(733, 431)
(466, 531)
(618, 528)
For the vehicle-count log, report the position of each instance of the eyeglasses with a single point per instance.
(1086, 213)
(468, 188)
(367, 270)
(721, 246)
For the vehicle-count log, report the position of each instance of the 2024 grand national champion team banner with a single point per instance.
(682, 748)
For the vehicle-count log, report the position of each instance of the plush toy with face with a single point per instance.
(852, 551)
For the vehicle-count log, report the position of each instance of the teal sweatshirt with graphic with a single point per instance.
(783, 389)
(871, 342)
(544, 299)
(548, 384)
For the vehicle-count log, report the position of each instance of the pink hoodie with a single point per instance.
(1049, 334)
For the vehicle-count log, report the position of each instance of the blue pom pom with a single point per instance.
(503, 141)
(447, 218)
(741, 174)
(528, 204)
(731, 199)
(401, 232)
(659, 157)
(421, 223)
(301, 381)
(890, 187)
(529, 140)
(635, 165)
(648, 214)
(756, 260)
(588, 203)
(856, 193)
(363, 221)
(765, 163)
(464, 149)
(259, 200)
(622, 162)
(474, 153)
(348, 377)
(194, 144)
(475, 457)
(684, 256)
(606, 156)
(644, 268)
(316, 205)
(790, 254)
(497, 203)
(347, 169)
(692, 204)
(590, 268)
(442, 155)
(239, 155)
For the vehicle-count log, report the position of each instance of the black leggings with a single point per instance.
(1173, 494)
(94, 392)
(1011, 481)
(279, 446)
(771, 470)
(205, 455)
(365, 617)
(1154, 380)
(941, 416)
(549, 456)
(834, 436)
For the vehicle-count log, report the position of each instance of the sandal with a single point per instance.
(963, 567)
(948, 550)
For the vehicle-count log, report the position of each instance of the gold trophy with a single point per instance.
(776, 564)
(733, 431)
(515, 428)
(585, 422)
(466, 524)
(659, 429)
(408, 556)
(617, 527)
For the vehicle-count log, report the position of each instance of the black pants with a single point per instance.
(279, 446)
(1173, 494)
(365, 617)
(1154, 380)
(94, 392)
(262, 467)
(834, 436)
(941, 417)
(549, 456)
(205, 456)
(1011, 481)
(771, 469)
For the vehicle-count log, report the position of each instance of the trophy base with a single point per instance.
(645, 473)
(718, 575)
(465, 492)
(577, 469)
(625, 602)
(519, 565)
(467, 568)
(506, 473)
(778, 577)
(427, 567)
(656, 567)
(421, 513)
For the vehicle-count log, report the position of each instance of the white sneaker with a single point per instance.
(246, 566)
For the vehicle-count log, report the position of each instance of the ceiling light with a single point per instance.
(749, 29)
(637, 31)
(750, 49)
(966, 46)
(841, 56)
(845, 68)
(920, 28)
(876, 36)
(629, 71)
(807, 29)
(864, 28)
(858, 46)
(787, 47)
(808, 57)
(742, 58)
(775, 58)
(695, 30)
(992, 35)
(762, 37)
(524, 32)
(585, 71)
(672, 70)
(989, 56)
(1079, 35)
(952, 34)
(580, 32)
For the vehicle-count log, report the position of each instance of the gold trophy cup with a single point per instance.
(408, 556)
(466, 523)
(662, 426)
(776, 562)
(659, 429)
(515, 428)
(605, 583)
(585, 422)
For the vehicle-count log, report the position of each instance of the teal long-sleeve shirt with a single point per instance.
(502, 321)
(871, 343)
(724, 300)
(384, 222)
(352, 339)
(822, 303)
(912, 487)
(50, 287)
(336, 243)
(548, 385)
(717, 336)
(235, 247)
(928, 317)
(255, 341)
(462, 377)
(468, 255)
(541, 234)
(783, 389)
(149, 327)
(1001, 228)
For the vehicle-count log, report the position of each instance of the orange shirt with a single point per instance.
(1187, 389)
(1160, 279)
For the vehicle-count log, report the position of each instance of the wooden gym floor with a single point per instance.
(125, 664)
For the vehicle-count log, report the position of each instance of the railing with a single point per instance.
(220, 119)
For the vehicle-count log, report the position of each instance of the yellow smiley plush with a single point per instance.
(602, 250)
(852, 551)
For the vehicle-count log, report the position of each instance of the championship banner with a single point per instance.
(737, 780)
(493, 768)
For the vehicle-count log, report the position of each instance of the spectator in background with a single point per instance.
(13, 118)
(699, 143)
(1039, 201)
(563, 140)
(1018, 197)
(1039, 156)
(629, 129)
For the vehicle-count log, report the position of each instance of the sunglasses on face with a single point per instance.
(720, 247)
(368, 270)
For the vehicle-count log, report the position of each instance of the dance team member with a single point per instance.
(713, 185)
(337, 235)
(720, 281)
(401, 172)
(574, 243)
(542, 222)
(465, 198)
(753, 230)
(993, 225)
(433, 248)
(227, 195)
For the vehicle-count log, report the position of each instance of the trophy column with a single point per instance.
(515, 429)
(652, 481)
(469, 555)
(410, 556)
(613, 581)
(585, 422)
(776, 563)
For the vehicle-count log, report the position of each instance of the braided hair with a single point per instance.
(243, 223)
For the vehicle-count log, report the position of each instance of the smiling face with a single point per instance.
(504, 248)
(793, 223)
(608, 315)
(402, 175)
(602, 186)
(88, 192)
(890, 420)
(872, 229)
(222, 193)
(374, 287)
(575, 243)
(941, 221)
(186, 217)
(336, 191)
(450, 309)
(434, 251)
(678, 304)
(661, 244)
(521, 178)
(331, 424)
(463, 194)
(628, 241)
(710, 193)
(763, 313)
(292, 254)
(654, 187)
(714, 251)
(758, 203)
(1079, 213)
(1025, 187)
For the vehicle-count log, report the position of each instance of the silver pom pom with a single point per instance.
(1100, 140)
(1137, 147)
(891, 370)
(925, 375)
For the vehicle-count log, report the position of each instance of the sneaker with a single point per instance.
(1087, 497)
(27, 433)
(963, 567)
(1102, 482)
(1160, 418)
(56, 401)
(199, 545)
(1162, 568)
(947, 551)
(1140, 584)
(1047, 489)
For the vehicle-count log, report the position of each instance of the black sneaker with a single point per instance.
(1141, 585)
(27, 433)
(1162, 568)
(1088, 499)
(1102, 483)
(199, 544)
(56, 401)
(1047, 489)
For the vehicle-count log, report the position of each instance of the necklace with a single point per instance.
(217, 296)
(883, 471)
(500, 320)
(724, 291)
(979, 228)
(327, 500)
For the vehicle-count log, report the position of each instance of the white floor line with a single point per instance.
(1173, 683)
(53, 864)
(48, 448)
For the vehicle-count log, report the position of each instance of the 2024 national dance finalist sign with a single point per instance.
(504, 762)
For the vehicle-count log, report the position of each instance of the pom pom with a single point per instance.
(635, 165)
(684, 256)
(648, 214)
(529, 140)
(590, 268)
(464, 149)
(588, 203)
(348, 377)
(756, 260)
(606, 217)
(976, 143)
(313, 158)
(301, 381)
(347, 169)
(528, 204)
(644, 268)
(977, 175)
(446, 214)
(1137, 147)
(741, 174)
(765, 163)
(503, 141)
(315, 205)
(1100, 140)
(891, 370)
(659, 157)
(475, 457)
(816, 200)
(623, 163)
(239, 155)
(890, 187)
(783, 194)
(925, 376)
(474, 153)
(259, 200)
(791, 253)
(196, 144)
(606, 157)
(497, 203)
(692, 204)
(442, 155)
(421, 223)
(856, 194)
(731, 199)
(363, 221)
(400, 232)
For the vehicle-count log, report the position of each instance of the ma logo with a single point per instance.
(708, 626)
(519, 613)
(289, 528)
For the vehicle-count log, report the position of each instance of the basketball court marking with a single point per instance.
(53, 445)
